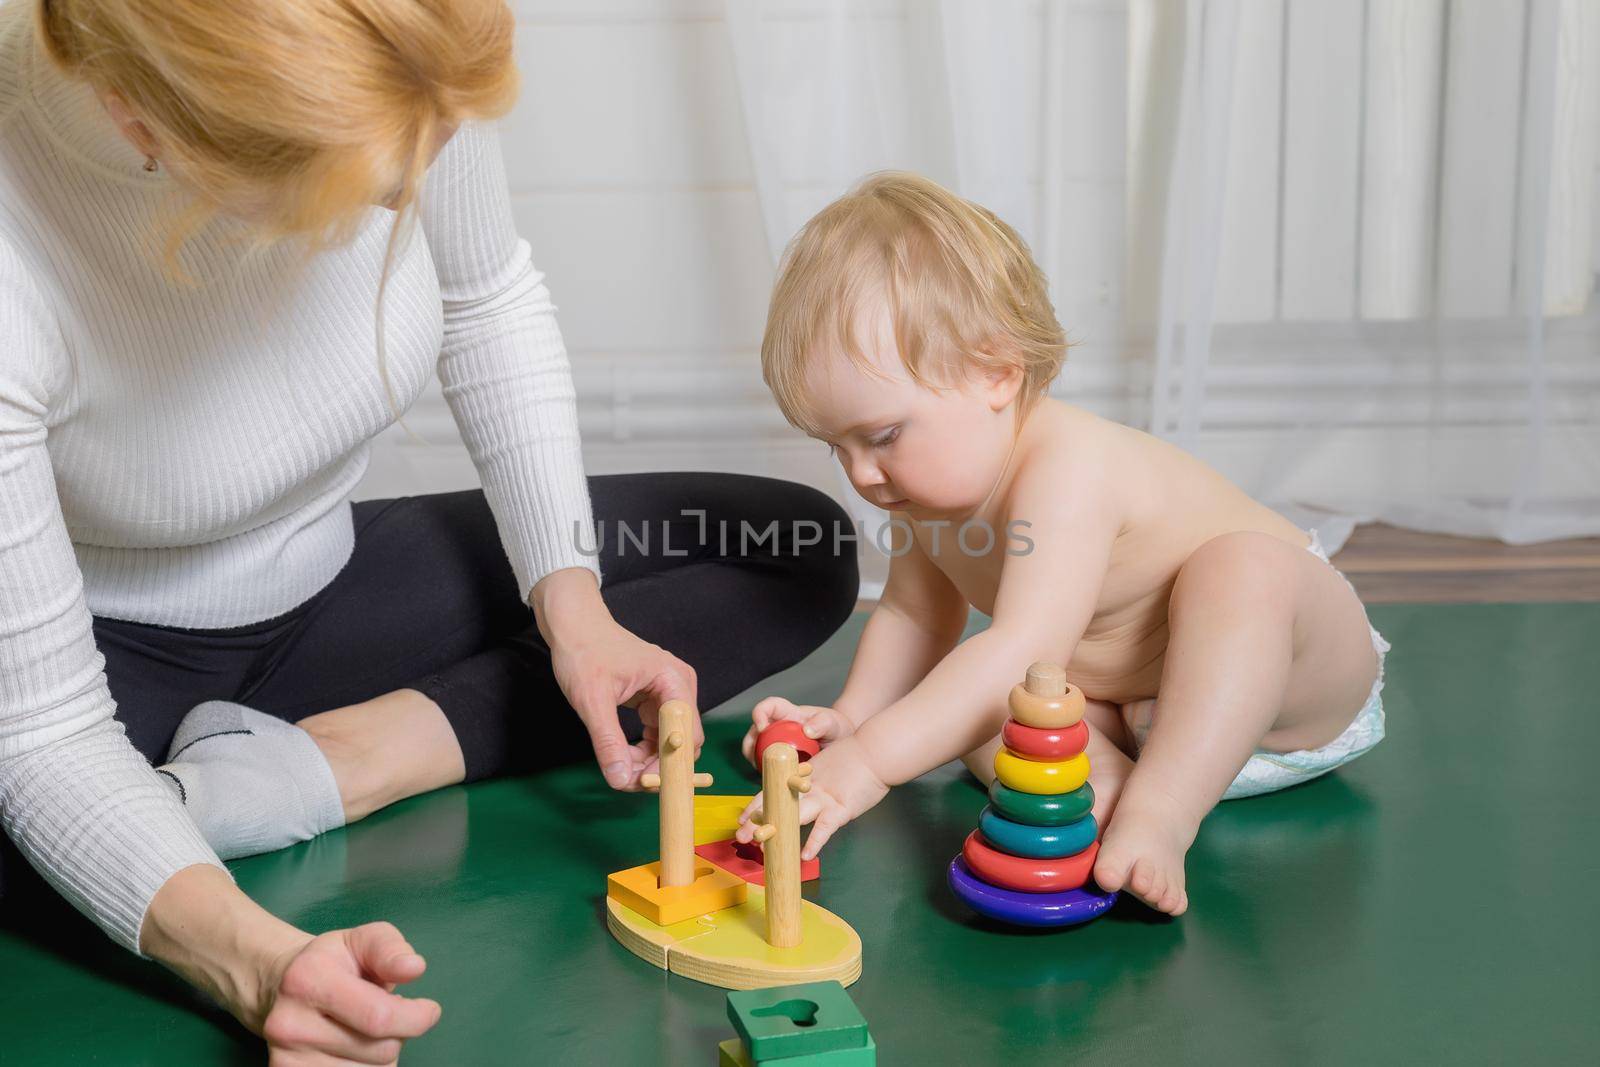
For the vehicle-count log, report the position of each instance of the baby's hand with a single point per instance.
(842, 787)
(820, 724)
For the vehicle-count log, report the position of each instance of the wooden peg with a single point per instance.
(804, 771)
(676, 785)
(781, 846)
(650, 781)
(1046, 679)
(702, 781)
(764, 831)
(799, 783)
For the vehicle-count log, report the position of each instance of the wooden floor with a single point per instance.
(1392, 566)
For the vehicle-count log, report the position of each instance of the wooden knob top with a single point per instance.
(1046, 679)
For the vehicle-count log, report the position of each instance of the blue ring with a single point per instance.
(1026, 909)
(1037, 842)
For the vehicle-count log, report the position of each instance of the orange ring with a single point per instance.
(1030, 742)
(1025, 875)
(1047, 713)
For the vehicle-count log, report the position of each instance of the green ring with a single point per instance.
(1035, 809)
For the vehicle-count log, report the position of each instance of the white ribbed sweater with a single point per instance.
(183, 455)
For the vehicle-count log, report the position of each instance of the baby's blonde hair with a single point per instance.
(963, 292)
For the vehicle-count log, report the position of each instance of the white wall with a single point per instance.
(632, 179)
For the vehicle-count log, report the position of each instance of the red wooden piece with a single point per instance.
(790, 731)
(1045, 746)
(748, 862)
(1027, 875)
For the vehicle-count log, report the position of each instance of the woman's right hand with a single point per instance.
(332, 1000)
(826, 725)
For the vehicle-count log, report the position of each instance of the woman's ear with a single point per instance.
(130, 125)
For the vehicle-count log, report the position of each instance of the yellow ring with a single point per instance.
(1047, 713)
(1045, 779)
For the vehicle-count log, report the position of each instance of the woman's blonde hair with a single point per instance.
(297, 114)
(962, 290)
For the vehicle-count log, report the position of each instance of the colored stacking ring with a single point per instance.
(1034, 776)
(1047, 713)
(1038, 842)
(1027, 875)
(1030, 742)
(792, 732)
(1026, 909)
(1039, 809)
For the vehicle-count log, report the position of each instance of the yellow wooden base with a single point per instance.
(732, 1054)
(639, 888)
(716, 817)
(729, 949)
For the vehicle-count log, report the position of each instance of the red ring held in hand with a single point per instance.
(792, 732)
(1047, 746)
(1027, 875)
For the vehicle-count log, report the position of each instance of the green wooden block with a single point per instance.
(731, 1053)
(785, 1022)
(864, 1056)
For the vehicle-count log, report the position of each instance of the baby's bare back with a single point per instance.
(1166, 503)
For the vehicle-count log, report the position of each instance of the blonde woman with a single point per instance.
(205, 649)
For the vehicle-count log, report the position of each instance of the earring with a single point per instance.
(151, 165)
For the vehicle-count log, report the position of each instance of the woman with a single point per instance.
(186, 402)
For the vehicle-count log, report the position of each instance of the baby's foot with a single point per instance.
(1142, 850)
(1109, 768)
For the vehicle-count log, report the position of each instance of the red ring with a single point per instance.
(1027, 875)
(792, 732)
(1045, 746)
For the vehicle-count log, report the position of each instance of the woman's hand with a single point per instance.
(317, 1000)
(826, 725)
(843, 786)
(333, 1000)
(600, 665)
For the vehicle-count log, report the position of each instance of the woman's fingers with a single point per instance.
(363, 1007)
(384, 954)
(301, 1028)
(598, 709)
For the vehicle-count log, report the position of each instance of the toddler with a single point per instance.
(1220, 653)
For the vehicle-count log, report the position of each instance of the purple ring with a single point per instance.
(1026, 909)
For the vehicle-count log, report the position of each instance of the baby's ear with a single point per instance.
(1000, 381)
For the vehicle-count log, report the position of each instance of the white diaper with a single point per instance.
(1266, 772)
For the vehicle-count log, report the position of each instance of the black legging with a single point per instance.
(428, 601)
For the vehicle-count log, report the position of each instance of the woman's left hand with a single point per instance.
(600, 665)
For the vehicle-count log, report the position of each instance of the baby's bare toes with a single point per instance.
(1111, 869)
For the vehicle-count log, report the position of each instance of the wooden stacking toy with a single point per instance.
(689, 916)
(748, 860)
(1030, 860)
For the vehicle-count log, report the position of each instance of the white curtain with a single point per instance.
(1345, 251)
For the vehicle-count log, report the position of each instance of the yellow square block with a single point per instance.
(733, 1054)
(716, 817)
(640, 889)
